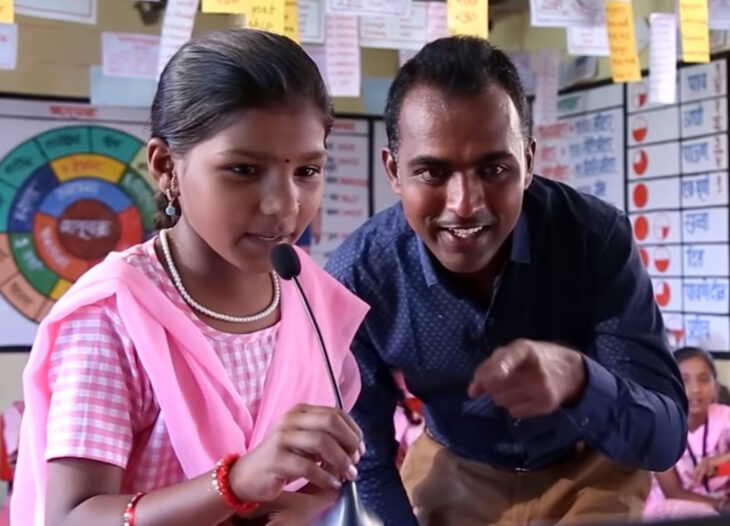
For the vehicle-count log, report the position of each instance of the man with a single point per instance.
(517, 310)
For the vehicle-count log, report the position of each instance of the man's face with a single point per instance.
(461, 170)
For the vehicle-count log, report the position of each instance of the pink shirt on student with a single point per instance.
(103, 406)
(123, 372)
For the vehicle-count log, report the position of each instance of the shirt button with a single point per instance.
(517, 422)
(585, 422)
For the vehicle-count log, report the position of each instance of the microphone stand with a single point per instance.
(348, 509)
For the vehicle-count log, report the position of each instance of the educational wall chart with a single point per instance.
(74, 186)
(585, 147)
(383, 194)
(346, 197)
(677, 192)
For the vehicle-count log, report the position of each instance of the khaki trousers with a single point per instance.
(448, 490)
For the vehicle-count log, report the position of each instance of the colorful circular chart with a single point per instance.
(68, 197)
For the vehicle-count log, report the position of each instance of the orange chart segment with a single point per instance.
(98, 166)
(23, 296)
(131, 227)
(8, 268)
(52, 251)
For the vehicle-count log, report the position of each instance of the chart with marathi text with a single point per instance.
(585, 148)
(73, 187)
(677, 197)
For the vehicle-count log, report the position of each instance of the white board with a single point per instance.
(585, 148)
(678, 176)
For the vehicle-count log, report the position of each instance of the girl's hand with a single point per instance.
(708, 466)
(306, 439)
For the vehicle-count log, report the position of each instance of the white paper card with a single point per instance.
(130, 55)
(709, 332)
(657, 227)
(437, 25)
(708, 295)
(706, 260)
(589, 41)
(83, 11)
(177, 28)
(565, 13)
(705, 190)
(311, 21)
(663, 58)
(546, 65)
(719, 14)
(369, 7)
(318, 54)
(705, 225)
(343, 56)
(395, 32)
(8, 46)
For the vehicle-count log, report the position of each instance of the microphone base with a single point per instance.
(348, 510)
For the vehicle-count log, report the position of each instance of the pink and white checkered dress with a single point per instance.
(102, 404)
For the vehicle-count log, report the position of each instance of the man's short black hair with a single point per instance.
(458, 65)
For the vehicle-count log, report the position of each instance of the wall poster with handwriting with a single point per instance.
(346, 196)
(585, 147)
(677, 195)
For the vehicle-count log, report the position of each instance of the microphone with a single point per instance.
(348, 509)
(287, 265)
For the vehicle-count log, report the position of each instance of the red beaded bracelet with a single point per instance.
(223, 486)
(131, 509)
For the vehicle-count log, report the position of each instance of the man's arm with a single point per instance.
(633, 407)
(379, 482)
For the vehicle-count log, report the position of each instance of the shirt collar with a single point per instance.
(520, 252)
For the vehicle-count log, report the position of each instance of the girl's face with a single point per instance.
(254, 184)
(699, 384)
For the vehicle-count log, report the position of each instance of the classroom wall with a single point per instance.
(54, 60)
(54, 57)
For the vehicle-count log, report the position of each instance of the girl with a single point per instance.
(168, 385)
(692, 487)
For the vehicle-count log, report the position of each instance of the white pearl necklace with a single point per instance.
(177, 280)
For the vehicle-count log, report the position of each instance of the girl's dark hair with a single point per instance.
(685, 353)
(216, 75)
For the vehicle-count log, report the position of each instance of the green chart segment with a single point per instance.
(68, 197)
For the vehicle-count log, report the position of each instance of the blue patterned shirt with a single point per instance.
(574, 278)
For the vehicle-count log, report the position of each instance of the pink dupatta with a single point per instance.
(205, 416)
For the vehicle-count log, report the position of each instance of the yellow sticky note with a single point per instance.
(266, 15)
(291, 20)
(695, 33)
(625, 65)
(224, 6)
(468, 17)
(7, 12)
